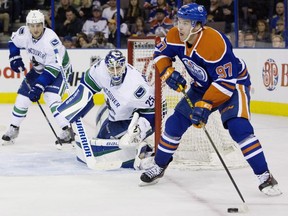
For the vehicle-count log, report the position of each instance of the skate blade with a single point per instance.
(272, 191)
(10, 142)
(144, 184)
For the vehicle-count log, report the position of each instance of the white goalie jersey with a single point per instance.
(122, 100)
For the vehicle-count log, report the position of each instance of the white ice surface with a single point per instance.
(36, 179)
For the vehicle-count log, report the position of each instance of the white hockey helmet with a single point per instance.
(35, 16)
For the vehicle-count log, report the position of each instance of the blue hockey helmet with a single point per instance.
(193, 12)
(115, 63)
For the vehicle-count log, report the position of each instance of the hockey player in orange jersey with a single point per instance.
(220, 80)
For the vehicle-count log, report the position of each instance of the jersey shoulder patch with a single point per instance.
(140, 92)
(54, 42)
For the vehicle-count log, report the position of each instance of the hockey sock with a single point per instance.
(175, 127)
(242, 132)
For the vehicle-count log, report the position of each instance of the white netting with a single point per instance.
(195, 151)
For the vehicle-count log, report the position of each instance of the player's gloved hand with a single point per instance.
(173, 79)
(35, 92)
(201, 113)
(17, 64)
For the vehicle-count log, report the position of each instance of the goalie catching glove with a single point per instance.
(173, 79)
(138, 130)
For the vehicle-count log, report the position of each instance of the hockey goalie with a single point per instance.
(126, 119)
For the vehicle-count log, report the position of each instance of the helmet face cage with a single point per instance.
(115, 63)
(35, 16)
(194, 12)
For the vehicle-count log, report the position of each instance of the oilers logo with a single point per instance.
(270, 74)
(195, 70)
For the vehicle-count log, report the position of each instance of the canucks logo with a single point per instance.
(140, 92)
(195, 70)
(54, 42)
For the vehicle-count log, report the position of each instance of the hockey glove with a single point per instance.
(17, 64)
(201, 113)
(35, 92)
(173, 79)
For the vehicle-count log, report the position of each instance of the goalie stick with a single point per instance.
(244, 207)
(84, 141)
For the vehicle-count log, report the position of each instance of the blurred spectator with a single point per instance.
(111, 9)
(96, 23)
(263, 36)
(4, 16)
(139, 28)
(161, 4)
(249, 40)
(215, 12)
(228, 11)
(102, 3)
(133, 11)
(279, 15)
(150, 4)
(61, 11)
(99, 41)
(82, 41)
(68, 42)
(112, 38)
(72, 25)
(161, 24)
(241, 42)
(251, 11)
(75, 3)
(278, 41)
(85, 10)
(47, 16)
(123, 26)
(280, 28)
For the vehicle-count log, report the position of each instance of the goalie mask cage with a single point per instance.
(195, 151)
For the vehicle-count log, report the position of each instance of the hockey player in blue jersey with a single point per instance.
(220, 82)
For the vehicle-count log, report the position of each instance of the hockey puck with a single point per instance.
(232, 210)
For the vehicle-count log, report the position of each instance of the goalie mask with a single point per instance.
(115, 63)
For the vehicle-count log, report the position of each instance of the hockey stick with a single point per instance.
(245, 208)
(84, 141)
(58, 146)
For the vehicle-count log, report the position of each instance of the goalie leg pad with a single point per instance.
(78, 104)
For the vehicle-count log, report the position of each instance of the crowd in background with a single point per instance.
(93, 23)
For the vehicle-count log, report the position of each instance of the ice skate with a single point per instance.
(268, 184)
(152, 175)
(10, 135)
(67, 136)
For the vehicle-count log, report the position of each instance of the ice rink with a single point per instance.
(36, 179)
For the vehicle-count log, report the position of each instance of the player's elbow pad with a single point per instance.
(14, 51)
(45, 79)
